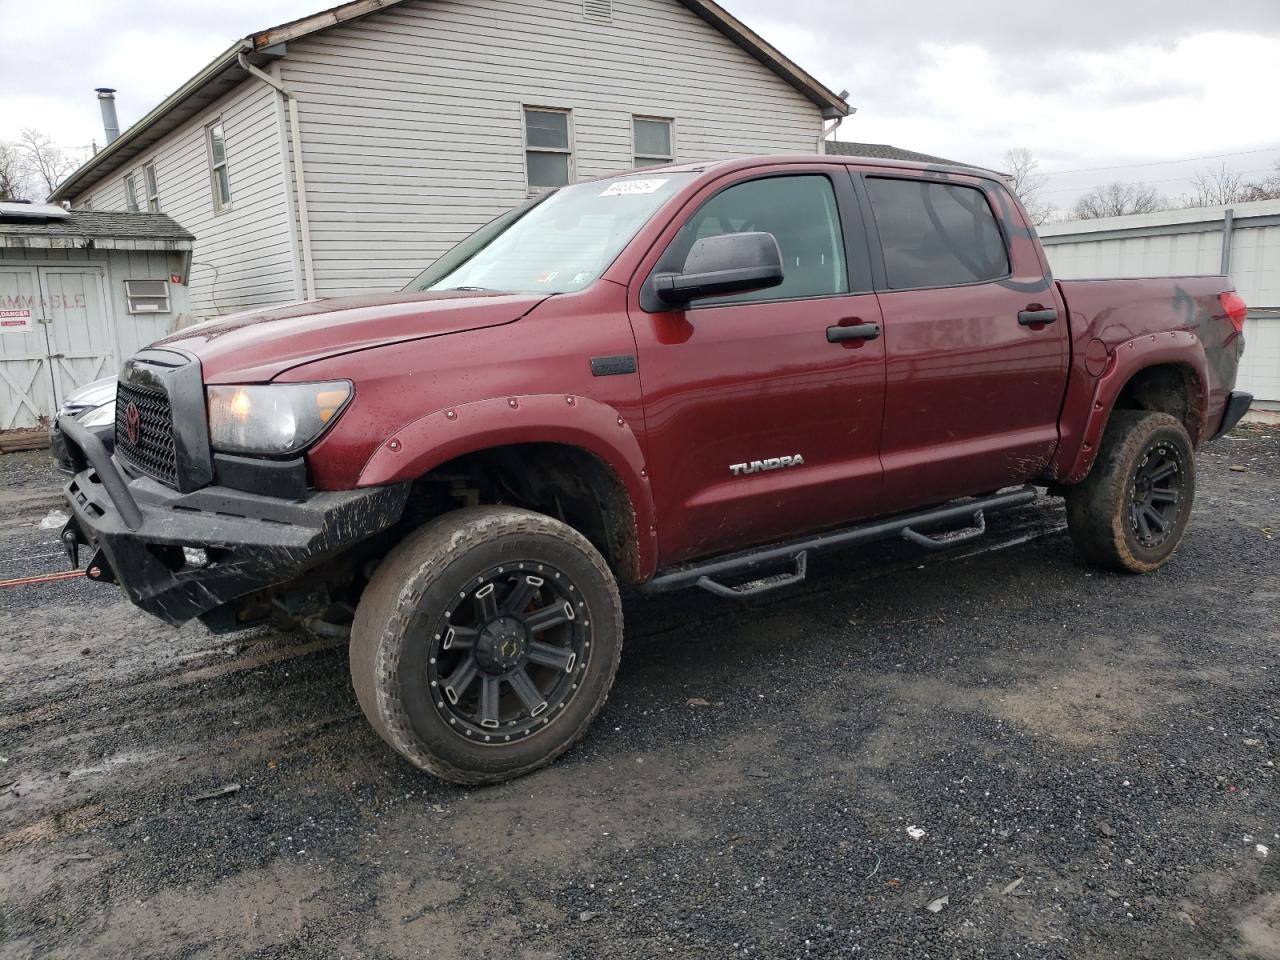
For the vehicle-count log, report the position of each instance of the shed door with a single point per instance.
(26, 382)
(55, 337)
(82, 347)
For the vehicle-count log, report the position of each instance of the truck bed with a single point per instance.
(1126, 314)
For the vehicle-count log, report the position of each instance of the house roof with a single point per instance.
(97, 229)
(226, 72)
(884, 151)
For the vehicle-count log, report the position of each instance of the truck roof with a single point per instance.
(740, 163)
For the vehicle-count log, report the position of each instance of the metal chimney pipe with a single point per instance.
(107, 101)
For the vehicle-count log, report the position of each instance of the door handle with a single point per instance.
(1029, 318)
(863, 331)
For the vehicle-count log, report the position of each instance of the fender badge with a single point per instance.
(758, 466)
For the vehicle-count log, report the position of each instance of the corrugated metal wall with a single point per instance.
(1150, 250)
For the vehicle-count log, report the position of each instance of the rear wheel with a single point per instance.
(486, 643)
(1130, 513)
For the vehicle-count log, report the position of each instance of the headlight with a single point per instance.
(276, 418)
(102, 416)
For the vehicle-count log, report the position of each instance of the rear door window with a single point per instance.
(936, 234)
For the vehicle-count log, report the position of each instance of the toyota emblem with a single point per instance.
(133, 423)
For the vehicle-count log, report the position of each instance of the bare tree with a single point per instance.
(1118, 200)
(1267, 189)
(47, 163)
(1212, 188)
(13, 173)
(1021, 169)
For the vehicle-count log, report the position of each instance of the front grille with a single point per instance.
(154, 453)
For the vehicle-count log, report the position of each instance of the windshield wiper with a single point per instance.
(471, 290)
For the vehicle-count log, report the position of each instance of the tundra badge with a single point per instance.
(773, 463)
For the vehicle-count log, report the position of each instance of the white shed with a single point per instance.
(79, 293)
(1242, 241)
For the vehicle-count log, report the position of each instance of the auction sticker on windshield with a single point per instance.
(631, 188)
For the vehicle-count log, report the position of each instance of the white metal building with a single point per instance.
(345, 151)
(79, 293)
(1242, 241)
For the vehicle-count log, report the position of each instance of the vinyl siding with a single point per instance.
(243, 256)
(413, 123)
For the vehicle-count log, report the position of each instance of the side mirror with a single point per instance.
(716, 266)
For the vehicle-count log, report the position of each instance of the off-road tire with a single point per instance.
(1098, 509)
(398, 618)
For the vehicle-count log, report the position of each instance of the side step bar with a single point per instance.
(796, 552)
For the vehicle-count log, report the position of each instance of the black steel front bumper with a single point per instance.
(139, 529)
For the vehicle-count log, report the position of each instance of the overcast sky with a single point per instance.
(1121, 85)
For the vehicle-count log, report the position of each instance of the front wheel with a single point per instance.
(486, 643)
(1130, 513)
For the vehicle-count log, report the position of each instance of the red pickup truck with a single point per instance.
(695, 375)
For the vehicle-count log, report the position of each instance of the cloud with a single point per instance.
(1014, 26)
(144, 48)
(1092, 83)
(1108, 82)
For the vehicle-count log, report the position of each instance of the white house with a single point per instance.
(1242, 241)
(345, 151)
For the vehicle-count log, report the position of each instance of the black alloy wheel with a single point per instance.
(1132, 510)
(1155, 501)
(507, 652)
(486, 642)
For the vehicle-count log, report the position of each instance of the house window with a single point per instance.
(131, 193)
(153, 190)
(218, 179)
(147, 296)
(548, 150)
(653, 141)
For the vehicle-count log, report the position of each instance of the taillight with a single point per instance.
(1236, 309)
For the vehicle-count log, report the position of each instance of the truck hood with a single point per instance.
(259, 345)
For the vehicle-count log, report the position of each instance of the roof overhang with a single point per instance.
(305, 26)
(831, 103)
(78, 242)
(212, 83)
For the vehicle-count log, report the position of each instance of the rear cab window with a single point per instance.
(936, 234)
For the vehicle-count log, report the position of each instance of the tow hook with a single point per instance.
(70, 537)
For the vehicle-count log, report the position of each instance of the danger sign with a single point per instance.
(15, 321)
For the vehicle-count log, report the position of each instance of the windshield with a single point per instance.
(559, 243)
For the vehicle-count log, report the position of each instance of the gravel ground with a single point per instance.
(995, 752)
